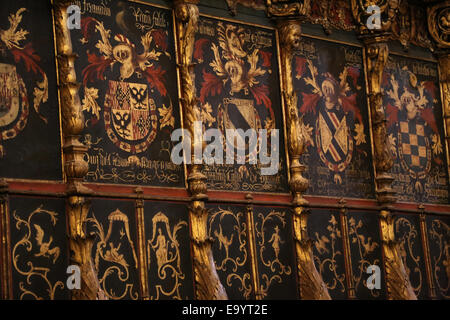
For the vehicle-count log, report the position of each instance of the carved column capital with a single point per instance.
(439, 23)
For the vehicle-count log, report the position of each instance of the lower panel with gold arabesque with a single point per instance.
(365, 250)
(115, 250)
(39, 252)
(407, 233)
(325, 231)
(228, 227)
(275, 253)
(438, 228)
(167, 248)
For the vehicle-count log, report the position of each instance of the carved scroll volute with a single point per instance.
(398, 284)
(312, 286)
(439, 23)
(279, 8)
(74, 164)
(207, 282)
(388, 10)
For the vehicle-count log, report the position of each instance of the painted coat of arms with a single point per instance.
(127, 58)
(411, 99)
(330, 80)
(26, 71)
(239, 89)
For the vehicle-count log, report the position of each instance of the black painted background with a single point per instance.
(40, 267)
(286, 286)
(165, 278)
(438, 228)
(113, 172)
(119, 282)
(330, 57)
(407, 233)
(365, 247)
(227, 222)
(328, 250)
(35, 153)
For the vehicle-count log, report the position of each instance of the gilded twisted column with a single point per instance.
(376, 55)
(311, 283)
(208, 285)
(75, 166)
(439, 29)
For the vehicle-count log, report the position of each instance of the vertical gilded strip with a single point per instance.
(143, 267)
(5, 249)
(207, 282)
(75, 166)
(253, 253)
(426, 253)
(351, 293)
(312, 286)
(444, 79)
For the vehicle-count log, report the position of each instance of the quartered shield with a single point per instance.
(414, 151)
(334, 142)
(14, 106)
(130, 117)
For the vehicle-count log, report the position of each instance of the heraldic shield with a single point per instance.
(239, 114)
(14, 107)
(334, 142)
(130, 117)
(414, 150)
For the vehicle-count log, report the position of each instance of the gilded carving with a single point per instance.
(277, 8)
(398, 284)
(311, 284)
(75, 165)
(208, 285)
(439, 23)
(4, 249)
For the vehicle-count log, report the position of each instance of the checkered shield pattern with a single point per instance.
(414, 144)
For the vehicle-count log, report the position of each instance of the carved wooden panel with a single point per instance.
(30, 142)
(414, 122)
(115, 250)
(407, 233)
(129, 92)
(438, 229)
(324, 229)
(329, 81)
(237, 81)
(365, 249)
(39, 249)
(167, 247)
(228, 226)
(275, 253)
